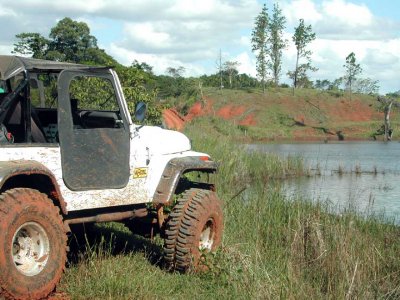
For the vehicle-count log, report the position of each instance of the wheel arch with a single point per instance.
(31, 174)
(174, 171)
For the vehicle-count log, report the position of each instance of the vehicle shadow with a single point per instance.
(109, 239)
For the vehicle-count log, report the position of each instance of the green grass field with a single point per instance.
(271, 249)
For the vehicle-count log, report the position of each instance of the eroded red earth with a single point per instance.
(307, 115)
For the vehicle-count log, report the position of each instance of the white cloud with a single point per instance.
(347, 13)
(158, 62)
(190, 33)
(301, 9)
(247, 64)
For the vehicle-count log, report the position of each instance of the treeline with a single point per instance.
(71, 41)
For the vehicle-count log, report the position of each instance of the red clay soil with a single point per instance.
(306, 113)
(249, 120)
(355, 111)
(173, 120)
(200, 108)
(229, 112)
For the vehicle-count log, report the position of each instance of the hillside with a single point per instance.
(279, 115)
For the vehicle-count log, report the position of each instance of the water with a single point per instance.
(360, 176)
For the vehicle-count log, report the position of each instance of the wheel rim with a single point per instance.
(207, 236)
(30, 249)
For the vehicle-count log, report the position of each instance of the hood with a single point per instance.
(163, 141)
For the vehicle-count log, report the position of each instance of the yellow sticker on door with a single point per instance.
(140, 173)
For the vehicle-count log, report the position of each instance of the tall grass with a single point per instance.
(272, 248)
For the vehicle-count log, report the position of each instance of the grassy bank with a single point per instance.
(271, 249)
(308, 115)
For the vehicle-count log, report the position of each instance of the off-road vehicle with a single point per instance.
(70, 154)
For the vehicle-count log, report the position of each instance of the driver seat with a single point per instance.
(14, 118)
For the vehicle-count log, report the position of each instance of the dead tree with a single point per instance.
(387, 104)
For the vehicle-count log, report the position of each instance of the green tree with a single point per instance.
(230, 68)
(336, 84)
(259, 40)
(300, 77)
(353, 69)
(302, 37)
(31, 43)
(68, 41)
(322, 84)
(143, 66)
(367, 86)
(276, 42)
(71, 41)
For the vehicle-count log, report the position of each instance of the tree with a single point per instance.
(352, 70)
(259, 40)
(366, 86)
(335, 84)
(68, 41)
(230, 67)
(175, 72)
(386, 105)
(276, 42)
(31, 43)
(301, 77)
(302, 37)
(220, 68)
(143, 67)
(71, 41)
(322, 84)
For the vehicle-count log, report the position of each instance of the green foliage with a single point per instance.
(33, 44)
(302, 37)
(238, 81)
(230, 67)
(69, 41)
(259, 41)
(301, 77)
(93, 93)
(276, 42)
(367, 86)
(138, 85)
(322, 84)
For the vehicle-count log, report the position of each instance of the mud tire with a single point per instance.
(19, 209)
(196, 212)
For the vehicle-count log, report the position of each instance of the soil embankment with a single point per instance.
(311, 115)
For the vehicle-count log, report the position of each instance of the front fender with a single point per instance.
(173, 172)
(14, 168)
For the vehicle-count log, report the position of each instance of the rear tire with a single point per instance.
(195, 226)
(33, 244)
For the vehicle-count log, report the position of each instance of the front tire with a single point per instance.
(33, 244)
(195, 226)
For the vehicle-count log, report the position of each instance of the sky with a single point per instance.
(191, 33)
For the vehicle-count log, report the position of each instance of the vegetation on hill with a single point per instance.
(279, 115)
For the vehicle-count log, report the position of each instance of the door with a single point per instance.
(93, 131)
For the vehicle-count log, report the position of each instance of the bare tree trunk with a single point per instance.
(220, 69)
(263, 84)
(388, 130)
(295, 72)
(201, 89)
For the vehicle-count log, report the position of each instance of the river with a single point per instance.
(363, 177)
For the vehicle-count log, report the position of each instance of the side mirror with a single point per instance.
(140, 111)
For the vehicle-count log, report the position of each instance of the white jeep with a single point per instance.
(70, 154)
